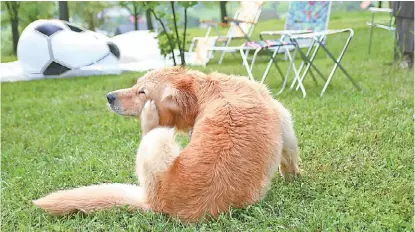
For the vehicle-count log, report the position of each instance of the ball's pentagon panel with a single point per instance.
(54, 69)
(48, 29)
(74, 28)
(114, 49)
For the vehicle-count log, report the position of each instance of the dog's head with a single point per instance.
(172, 89)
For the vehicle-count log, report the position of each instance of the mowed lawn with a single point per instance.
(356, 147)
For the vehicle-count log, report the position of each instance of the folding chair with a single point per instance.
(241, 26)
(303, 17)
(318, 39)
(309, 31)
(389, 26)
(273, 48)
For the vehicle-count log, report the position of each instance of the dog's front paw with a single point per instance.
(149, 117)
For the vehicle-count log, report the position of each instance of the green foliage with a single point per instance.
(130, 5)
(32, 11)
(6, 42)
(27, 13)
(11, 10)
(164, 40)
(87, 12)
(173, 32)
(186, 4)
(6, 59)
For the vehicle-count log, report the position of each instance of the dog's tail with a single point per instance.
(92, 198)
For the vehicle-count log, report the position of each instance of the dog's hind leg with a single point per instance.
(290, 152)
(157, 151)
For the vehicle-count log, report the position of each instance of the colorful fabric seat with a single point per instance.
(308, 15)
(267, 43)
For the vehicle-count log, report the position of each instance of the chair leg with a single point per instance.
(285, 77)
(292, 66)
(278, 68)
(245, 63)
(272, 60)
(337, 64)
(371, 31)
(254, 57)
(303, 62)
(247, 56)
(309, 63)
(228, 41)
(313, 77)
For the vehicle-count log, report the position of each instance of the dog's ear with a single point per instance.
(170, 98)
(179, 100)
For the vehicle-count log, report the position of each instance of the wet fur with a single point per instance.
(240, 136)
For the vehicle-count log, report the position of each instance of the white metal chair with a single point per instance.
(241, 26)
(306, 27)
(303, 17)
(318, 39)
(383, 25)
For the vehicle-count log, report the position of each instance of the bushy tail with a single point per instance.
(92, 198)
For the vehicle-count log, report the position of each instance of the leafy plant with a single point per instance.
(88, 12)
(12, 9)
(134, 8)
(172, 35)
(19, 15)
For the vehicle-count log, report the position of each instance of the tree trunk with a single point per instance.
(91, 25)
(223, 12)
(177, 32)
(167, 35)
(63, 10)
(13, 10)
(135, 18)
(15, 33)
(182, 56)
(149, 20)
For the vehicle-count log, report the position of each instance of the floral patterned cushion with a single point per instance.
(266, 43)
(308, 15)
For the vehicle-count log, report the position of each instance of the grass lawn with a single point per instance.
(6, 59)
(356, 148)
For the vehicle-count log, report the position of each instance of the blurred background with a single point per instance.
(117, 17)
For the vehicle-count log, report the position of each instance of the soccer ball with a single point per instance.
(56, 48)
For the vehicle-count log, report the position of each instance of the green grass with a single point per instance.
(356, 148)
(6, 59)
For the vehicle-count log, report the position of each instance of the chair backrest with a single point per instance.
(308, 15)
(247, 11)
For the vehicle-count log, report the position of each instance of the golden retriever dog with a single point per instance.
(240, 136)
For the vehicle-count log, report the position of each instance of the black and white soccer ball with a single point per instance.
(51, 48)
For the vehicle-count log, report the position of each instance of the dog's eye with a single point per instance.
(141, 92)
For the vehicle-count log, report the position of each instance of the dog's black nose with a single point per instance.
(111, 98)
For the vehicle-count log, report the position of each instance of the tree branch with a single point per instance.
(12, 8)
(135, 17)
(184, 36)
(175, 29)
(168, 37)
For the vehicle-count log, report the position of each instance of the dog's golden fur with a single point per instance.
(241, 135)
